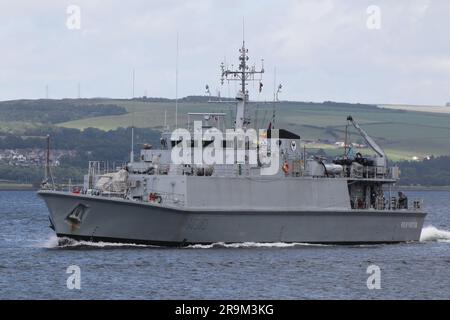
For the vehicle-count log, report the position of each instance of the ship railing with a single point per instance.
(164, 169)
(70, 187)
(371, 172)
(417, 204)
(100, 167)
(67, 187)
(394, 203)
(219, 170)
(296, 169)
(236, 170)
(111, 194)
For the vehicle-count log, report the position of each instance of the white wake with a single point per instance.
(429, 234)
(253, 245)
(55, 242)
(432, 233)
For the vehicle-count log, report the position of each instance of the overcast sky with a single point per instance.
(322, 49)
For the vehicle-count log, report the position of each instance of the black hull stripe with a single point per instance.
(186, 243)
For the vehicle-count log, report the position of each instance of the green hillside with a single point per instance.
(402, 133)
(20, 115)
(25, 123)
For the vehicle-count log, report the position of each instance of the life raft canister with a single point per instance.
(286, 167)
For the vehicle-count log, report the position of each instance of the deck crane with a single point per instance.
(381, 158)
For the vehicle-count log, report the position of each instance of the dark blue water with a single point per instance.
(32, 266)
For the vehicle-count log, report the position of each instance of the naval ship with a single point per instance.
(263, 187)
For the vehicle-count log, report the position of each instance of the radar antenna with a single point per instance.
(244, 74)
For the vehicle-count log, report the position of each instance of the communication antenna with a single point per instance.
(47, 160)
(276, 92)
(346, 139)
(48, 174)
(132, 123)
(132, 145)
(132, 139)
(208, 92)
(228, 82)
(46, 91)
(133, 84)
(274, 96)
(243, 29)
(79, 90)
(165, 120)
(176, 87)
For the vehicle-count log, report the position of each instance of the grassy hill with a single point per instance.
(20, 115)
(24, 123)
(402, 133)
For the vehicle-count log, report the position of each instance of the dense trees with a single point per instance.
(90, 144)
(432, 172)
(114, 145)
(74, 139)
(54, 111)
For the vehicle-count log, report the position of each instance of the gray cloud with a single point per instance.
(322, 48)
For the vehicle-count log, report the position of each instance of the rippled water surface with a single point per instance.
(33, 264)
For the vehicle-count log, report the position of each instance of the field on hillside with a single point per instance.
(17, 116)
(435, 109)
(403, 133)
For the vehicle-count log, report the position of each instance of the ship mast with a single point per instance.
(48, 173)
(243, 74)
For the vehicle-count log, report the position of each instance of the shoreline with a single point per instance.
(421, 188)
(17, 187)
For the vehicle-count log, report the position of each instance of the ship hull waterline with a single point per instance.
(124, 221)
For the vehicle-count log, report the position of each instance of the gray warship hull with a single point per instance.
(94, 218)
(203, 186)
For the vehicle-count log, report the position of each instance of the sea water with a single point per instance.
(35, 265)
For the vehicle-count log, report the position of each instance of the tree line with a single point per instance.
(47, 111)
(429, 172)
(89, 144)
(114, 145)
